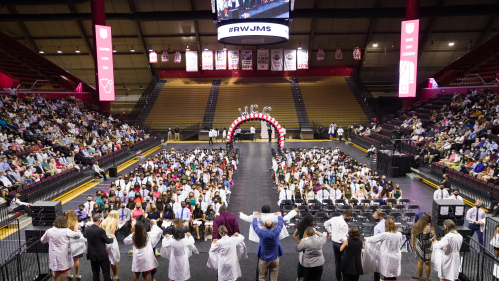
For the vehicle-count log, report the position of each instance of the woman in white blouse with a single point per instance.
(178, 250)
(389, 250)
(144, 260)
(61, 259)
(446, 253)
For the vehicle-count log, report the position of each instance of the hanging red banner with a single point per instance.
(153, 57)
(356, 53)
(165, 56)
(338, 54)
(321, 55)
(177, 58)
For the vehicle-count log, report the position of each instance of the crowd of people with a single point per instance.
(42, 137)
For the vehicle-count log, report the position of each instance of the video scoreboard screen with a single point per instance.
(251, 9)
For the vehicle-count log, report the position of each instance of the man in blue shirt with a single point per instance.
(269, 247)
(183, 214)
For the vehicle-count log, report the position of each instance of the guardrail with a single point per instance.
(477, 264)
(27, 263)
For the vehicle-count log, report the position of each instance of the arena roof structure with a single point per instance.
(373, 25)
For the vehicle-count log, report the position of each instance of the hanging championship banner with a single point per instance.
(276, 58)
(356, 53)
(321, 55)
(262, 59)
(177, 57)
(247, 59)
(191, 61)
(233, 59)
(221, 60)
(302, 58)
(165, 57)
(338, 54)
(289, 60)
(207, 60)
(153, 57)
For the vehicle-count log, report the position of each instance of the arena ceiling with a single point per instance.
(54, 24)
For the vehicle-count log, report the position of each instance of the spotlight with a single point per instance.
(206, 47)
(114, 49)
(150, 48)
(375, 45)
(41, 51)
(77, 50)
(132, 50)
(393, 45)
(59, 50)
(299, 47)
(187, 49)
(225, 47)
(451, 43)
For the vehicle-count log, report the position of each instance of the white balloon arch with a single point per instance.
(256, 117)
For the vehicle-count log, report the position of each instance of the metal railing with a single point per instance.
(477, 264)
(9, 229)
(361, 85)
(137, 109)
(27, 263)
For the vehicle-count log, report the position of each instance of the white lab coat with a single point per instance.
(178, 252)
(78, 245)
(495, 243)
(113, 251)
(60, 255)
(340, 132)
(389, 253)
(262, 218)
(143, 259)
(448, 251)
(225, 256)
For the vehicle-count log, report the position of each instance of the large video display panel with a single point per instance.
(251, 9)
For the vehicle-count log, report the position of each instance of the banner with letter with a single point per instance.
(221, 60)
(165, 57)
(207, 60)
(289, 60)
(177, 57)
(276, 58)
(233, 59)
(321, 55)
(302, 58)
(247, 59)
(263, 59)
(153, 57)
(357, 53)
(338, 54)
(408, 72)
(191, 61)
(105, 69)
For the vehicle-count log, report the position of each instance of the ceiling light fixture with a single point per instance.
(59, 50)
(206, 47)
(132, 50)
(77, 50)
(225, 47)
(168, 48)
(393, 45)
(41, 51)
(375, 45)
(299, 47)
(187, 48)
(150, 48)
(451, 43)
(114, 49)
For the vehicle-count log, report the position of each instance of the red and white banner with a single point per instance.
(262, 58)
(191, 61)
(432, 84)
(79, 88)
(338, 54)
(221, 60)
(321, 55)
(289, 60)
(233, 59)
(207, 60)
(408, 72)
(357, 53)
(246, 59)
(105, 70)
(153, 57)
(302, 59)
(177, 57)
(276, 59)
(165, 56)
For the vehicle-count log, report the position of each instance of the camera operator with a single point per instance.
(396, 140)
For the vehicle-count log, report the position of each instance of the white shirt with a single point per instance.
(225, 255)
(16, 203)
(440, 194)
(471, 215)
(338, 229)
(252, 130)
(285, 195)
(322, 194)
(454, 197)
(262, 218)
(58, 239)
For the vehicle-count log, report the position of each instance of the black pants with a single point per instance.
(349, 277)
(96, 268)
(337, 259)
(493, 204)
(377, 276)
(312, 273)
(22, 208)
(211, 140)
(102, 174)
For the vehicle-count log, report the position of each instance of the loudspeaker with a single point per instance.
(37, 233)
(393, 172)
(47, 207)
(113, 172)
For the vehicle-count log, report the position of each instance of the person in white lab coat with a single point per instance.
(495, 243)
(178, 250)
(226, 253)
(143, 253)
(60, 257)
(389, 256)
(446, 253)
(340, 133)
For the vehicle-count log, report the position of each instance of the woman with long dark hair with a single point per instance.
(144, 260)
(351, 264)
(197, 219)
(178, 249)
(307, 221)
(422, 234)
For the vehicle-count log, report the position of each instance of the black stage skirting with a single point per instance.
(385, 162)
(246, 136)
